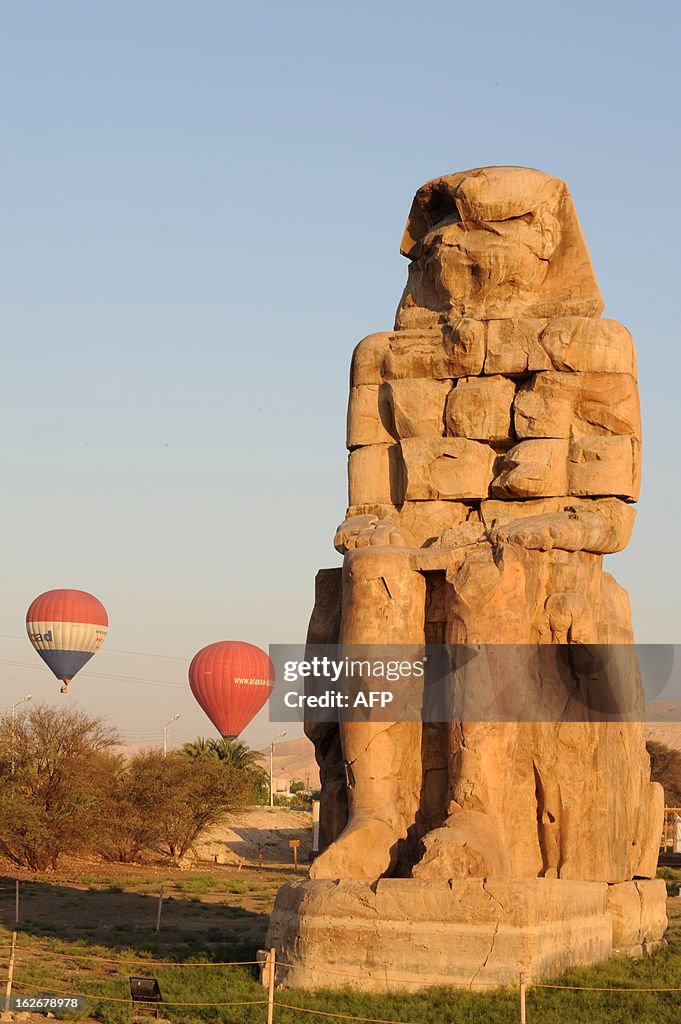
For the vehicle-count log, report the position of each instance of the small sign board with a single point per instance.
(294, 843)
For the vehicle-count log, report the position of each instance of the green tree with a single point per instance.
(53, 763)
(163, 805)
(665, 768)
(200, 747)
(131, 802)
(238, 754)
(195, 796)
(235, 754)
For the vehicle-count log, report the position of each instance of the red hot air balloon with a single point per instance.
(231, 680)
(66, 627)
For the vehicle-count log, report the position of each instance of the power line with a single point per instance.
(104, 675)
(113, 650)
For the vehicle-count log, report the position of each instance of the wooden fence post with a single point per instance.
(10, 971)
(160, 907)
(523, 1018)
(272, 957)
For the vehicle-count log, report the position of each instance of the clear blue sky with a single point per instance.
(202, 208)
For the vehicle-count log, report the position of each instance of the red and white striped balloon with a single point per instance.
(66, 627)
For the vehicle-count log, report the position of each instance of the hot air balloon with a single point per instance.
(66, 627)
(231, 680)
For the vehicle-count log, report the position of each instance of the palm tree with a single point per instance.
(240, 756)
(200, 747)
(237, 754)
(232, 753)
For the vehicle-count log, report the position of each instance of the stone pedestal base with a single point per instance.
(410, 933)
(639, 916)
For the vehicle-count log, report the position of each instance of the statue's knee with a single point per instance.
(372, 563)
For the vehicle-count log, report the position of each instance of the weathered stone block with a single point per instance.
(418, 406)
(513, 346)
(653, 896)
(557, 404)
(368, 358)
(449, 468)
(604, 465)
(407, 932)
(375, 474)
(427, 520)
(370, 418)
(624, 906)
(582, 466)
(639, 915)
(450, 351)
(589, 344)
(534, 469)
(480, 408)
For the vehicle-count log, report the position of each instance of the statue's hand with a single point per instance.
(370, 531)
(462, 536)
(569, 530)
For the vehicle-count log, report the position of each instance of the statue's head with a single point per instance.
(492, 243)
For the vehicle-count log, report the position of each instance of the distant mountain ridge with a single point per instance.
(293, 759)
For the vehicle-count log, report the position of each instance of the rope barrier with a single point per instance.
(601, 988)
(37, 949)
(27, 986)
(27, 951)
(142, 962)
(343, 1016)
(394, 979)
(118, 999)
(239, 1002)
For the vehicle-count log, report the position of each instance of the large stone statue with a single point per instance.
(495, 450)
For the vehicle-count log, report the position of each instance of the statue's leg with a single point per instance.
(383, 604)
(324, 630)
(485, 608)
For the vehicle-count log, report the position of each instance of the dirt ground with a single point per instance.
(117, 907)
(216, 910)
(266, 829)
(223, 898)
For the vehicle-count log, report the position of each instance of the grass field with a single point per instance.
(71, 920)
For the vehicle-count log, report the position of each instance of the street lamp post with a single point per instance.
(14, 724)
(165, 734)
(271, 767)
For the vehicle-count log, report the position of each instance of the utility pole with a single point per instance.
(272, 767)
(165, 734)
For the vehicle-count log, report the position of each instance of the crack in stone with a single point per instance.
(365, 748)
(366, 902)
(494, 934)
